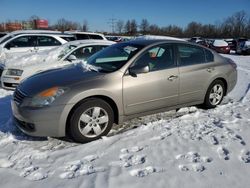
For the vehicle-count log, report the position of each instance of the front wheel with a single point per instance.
(91, 120)
(215, 94)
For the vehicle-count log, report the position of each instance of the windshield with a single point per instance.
(114, 57)
(65, 50)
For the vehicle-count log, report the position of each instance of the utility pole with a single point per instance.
(112, 21)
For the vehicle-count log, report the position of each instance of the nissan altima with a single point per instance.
(120, 82)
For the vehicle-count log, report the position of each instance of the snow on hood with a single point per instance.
(157, 37)
(219, 43)
(46, 56)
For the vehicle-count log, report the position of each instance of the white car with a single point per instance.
(28, 43)
(16, 70)
(79, 35)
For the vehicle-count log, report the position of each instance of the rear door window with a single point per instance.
(47, 41)
(81, 36)
(95, 37)
(190, 55)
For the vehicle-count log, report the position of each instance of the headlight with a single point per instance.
(14, 72)
(45, 98)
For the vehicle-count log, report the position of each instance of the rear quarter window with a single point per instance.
(190, 55)
(95, 37)
(209, 56)
(47, 41)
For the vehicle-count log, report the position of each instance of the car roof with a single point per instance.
(91, 41)
(46, 34)
(83, 32)
(153, 41)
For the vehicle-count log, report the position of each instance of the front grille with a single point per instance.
(19, 96)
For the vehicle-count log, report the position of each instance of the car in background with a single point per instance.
(203, 43)
(123, 81)
(196, 39)
(86, 35)
(220, 46)
(118, 38)
(242, 46)
(232, 43)
(19, 69)
(30, 43)
(19, 32)
(2, 34)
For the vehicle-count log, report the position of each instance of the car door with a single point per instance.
(156, 89)
(195, 66)
(20, 45)
(46, 43)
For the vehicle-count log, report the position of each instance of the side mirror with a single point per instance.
(133, 71)
(71, 58)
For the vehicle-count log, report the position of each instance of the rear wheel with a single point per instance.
(215, 94)
(91, 120)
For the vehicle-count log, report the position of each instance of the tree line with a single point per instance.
(234, 26)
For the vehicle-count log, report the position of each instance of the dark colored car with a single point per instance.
(232, 43)
(243, 46)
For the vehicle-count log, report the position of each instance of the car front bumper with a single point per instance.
(39, 121)
(10, 82)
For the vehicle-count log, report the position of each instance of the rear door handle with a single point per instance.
(172, 77)
(210, 69)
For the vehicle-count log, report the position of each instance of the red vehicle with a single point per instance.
(220, 46)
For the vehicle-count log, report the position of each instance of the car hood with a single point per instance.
(27, 60)
(62, 77)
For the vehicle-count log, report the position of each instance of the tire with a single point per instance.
(212, 101)
(91, 120)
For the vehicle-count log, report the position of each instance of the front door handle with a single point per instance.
(210, 69)
(172, 77)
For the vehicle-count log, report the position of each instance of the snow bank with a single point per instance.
(220, 43)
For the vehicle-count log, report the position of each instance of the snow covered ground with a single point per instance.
(190, 148)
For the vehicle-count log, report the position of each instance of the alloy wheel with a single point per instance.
(93, 122)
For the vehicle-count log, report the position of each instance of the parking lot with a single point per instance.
(204, 145)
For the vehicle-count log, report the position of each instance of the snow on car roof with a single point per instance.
(157, 37)
(91, 41)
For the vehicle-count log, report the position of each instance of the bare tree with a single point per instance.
(64, 25)
(133, 26)
(144, 26)
(85, 26)
(154, 29)
(127, 27)
(119, 26)
(32, 21)
(193, 29)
